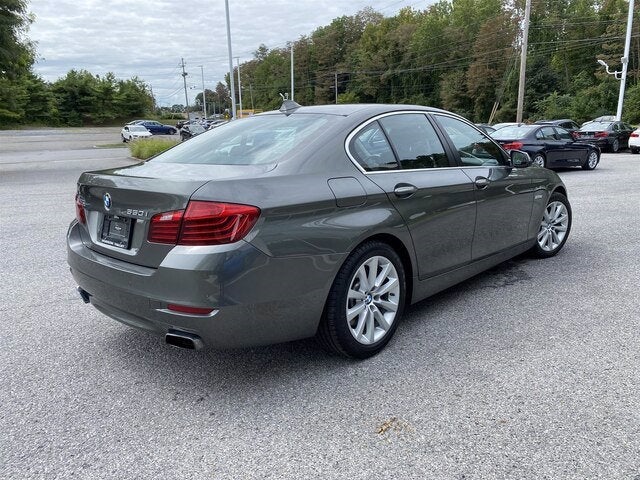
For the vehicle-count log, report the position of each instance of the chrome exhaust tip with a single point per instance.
(187, 340)
(86, 296)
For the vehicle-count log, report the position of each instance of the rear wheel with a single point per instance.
(634, 150)
(365, 302)
(592, 160)
(539, 160)
(615, 145)
(554, 227)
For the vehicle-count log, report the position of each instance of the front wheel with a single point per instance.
(592, 161)
(539, 160)
(365, 302)
(554, 227)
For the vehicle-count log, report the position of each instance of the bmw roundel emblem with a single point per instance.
(106, 198)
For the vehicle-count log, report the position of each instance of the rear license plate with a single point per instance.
(116, 231)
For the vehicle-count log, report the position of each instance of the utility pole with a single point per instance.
(239, 86)
(523, 61)
(335, 82)
(153, 99)
(186, 97)
(233, 88)
(204, 94)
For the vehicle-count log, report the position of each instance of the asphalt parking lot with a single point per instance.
(528, 371)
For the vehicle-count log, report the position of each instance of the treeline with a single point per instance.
(79, 98)
(461, 55)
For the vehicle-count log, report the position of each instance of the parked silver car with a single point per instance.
(323, 220)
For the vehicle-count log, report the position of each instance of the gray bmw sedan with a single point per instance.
(324, 220)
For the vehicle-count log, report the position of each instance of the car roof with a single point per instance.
(350, 109)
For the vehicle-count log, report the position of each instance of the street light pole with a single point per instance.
(523, 61)
(231, 80)
(625, 61)
(239, 86)
(204, 94)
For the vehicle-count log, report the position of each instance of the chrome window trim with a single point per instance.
(363, 125)
(360, 127)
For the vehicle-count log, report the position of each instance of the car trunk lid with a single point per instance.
(120, 203)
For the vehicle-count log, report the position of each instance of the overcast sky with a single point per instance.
(147, 38)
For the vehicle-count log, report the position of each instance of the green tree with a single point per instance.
(16, 52)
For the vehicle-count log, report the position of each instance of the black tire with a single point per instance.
(592, 160)
(555, 226)
(634, 150)
(538, 159)
(615, 145)
(336, 332)
(124, 140)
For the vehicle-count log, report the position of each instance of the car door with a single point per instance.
(571, 153)
(402, 153)
(504, 195)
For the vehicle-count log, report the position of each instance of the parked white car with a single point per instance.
(634, 141)
(133, 132)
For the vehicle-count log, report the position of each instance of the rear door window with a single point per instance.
(415, 141)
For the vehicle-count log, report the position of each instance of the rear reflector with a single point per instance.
(513, 146)
(203, 223)
(80, 213)
(191, 310)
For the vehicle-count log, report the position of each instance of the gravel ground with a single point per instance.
(528, 371)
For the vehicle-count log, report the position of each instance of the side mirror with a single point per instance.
(520, 159)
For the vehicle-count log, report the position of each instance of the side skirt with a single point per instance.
(430, 286)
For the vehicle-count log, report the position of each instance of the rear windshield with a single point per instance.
(250, 141)
(596, 126)
(512, 133)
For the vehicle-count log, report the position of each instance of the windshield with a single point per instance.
(137, 128)
(250, 141)
(512, 133)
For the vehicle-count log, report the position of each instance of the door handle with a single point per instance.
(404, 190)
(482, 182)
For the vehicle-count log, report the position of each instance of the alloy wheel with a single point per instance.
(554, 226)
(372, 300)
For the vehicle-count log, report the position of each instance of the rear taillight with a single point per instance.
(203, 223)
(513, 146)
(600, 134)
(80, 214)
(634, 134)
(165, 227)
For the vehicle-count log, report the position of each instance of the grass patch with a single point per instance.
(148, 147)
(111, 145)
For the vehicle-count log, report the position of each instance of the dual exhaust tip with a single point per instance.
(177, 338)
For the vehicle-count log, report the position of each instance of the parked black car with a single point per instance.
(565, 123)
(549, 146)
(191, 130)
(608, 135)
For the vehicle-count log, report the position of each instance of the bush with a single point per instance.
(148, 147)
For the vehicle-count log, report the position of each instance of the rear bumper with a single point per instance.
(256, 299)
